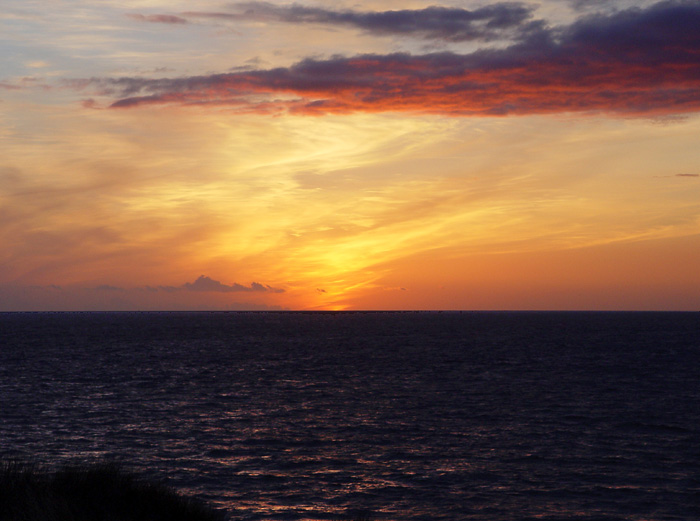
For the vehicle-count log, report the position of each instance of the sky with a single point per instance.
(349, 155)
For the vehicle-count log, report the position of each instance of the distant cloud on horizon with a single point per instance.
(200, 294)
(201, 284)
(204, 283)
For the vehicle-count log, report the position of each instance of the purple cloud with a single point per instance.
(204, 283)
(107, 287)
(634, 62)
(499, 20)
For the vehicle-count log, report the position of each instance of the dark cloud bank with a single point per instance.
(204, 283)
(191, 295)
(633, 62)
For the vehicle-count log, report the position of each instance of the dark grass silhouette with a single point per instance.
(98, 492)
(91, 492)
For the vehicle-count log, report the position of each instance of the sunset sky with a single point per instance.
(383, 154)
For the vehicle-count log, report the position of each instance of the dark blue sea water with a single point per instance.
(412, 416)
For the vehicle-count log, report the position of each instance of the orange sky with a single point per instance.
(373, 155)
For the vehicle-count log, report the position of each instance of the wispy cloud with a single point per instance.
(157, 18)
(495, 21)
(106, 298)
(632, 62)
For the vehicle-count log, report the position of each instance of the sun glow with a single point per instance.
(367, 168)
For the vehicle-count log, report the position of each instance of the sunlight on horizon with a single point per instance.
(345, 179)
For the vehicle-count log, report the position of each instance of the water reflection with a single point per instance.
(415, 417)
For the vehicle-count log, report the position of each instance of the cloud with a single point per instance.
(107, 287)
(111, 298)
(158, 18)
(37, 64)
(582, 5)
(495, 21)
(204, 283)
(634, 62)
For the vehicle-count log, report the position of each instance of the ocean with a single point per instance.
(409, 416)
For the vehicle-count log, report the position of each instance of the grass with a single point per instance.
(96, 492)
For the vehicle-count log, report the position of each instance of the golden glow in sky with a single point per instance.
(381, 155)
